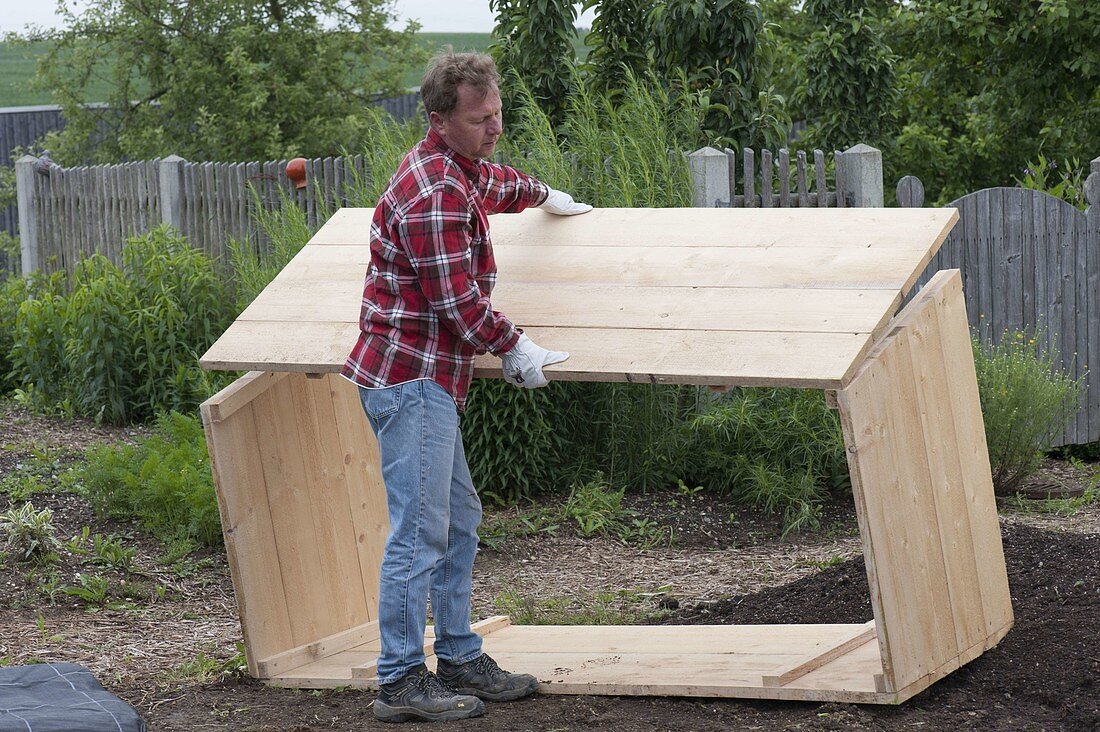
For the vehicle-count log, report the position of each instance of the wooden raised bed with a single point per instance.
(782, 297)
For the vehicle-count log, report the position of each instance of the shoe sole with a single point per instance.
(386, 713)
(510, 695)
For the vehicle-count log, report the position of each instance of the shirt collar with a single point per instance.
(434, 141)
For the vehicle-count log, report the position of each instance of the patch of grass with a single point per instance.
(498, 529)
(203, 668)
(593, 508)
(42, 470)
(621, 607)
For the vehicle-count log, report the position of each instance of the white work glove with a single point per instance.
(523, 364)
(562, 204)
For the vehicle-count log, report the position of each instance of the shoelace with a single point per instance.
(430, 684)
(483, 664)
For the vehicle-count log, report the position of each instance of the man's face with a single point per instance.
(474, 125)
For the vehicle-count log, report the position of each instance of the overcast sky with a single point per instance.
(436, 16)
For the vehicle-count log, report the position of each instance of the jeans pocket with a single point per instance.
(379, 403)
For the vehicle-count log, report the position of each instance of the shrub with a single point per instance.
(1025, 403)
(30, 532)
(164, 481)
(123, 341)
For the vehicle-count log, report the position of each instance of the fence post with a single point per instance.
(170, 175)
(28, 214)
(910, 192)
(1094, 166)
(710, 178)
(863, 176)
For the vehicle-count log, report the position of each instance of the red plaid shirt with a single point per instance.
(426, 310)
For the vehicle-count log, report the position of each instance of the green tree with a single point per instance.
(620, 42)
(989, 84)
(220, 79)
(534, 42)
(850, 83)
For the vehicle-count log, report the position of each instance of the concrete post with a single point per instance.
(1094, 166)
(863, 176)
(170, 174)
(710, 178)
(28, 214)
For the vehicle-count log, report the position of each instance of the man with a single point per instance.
(426, 314)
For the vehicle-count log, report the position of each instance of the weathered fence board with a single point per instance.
(1031, 261)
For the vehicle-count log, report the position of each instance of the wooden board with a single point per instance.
(702, 661)
(301, 508)
(633, 277)
(694, 227)
(924, 497)
(810, 360)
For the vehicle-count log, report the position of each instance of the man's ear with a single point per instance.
(436, 120)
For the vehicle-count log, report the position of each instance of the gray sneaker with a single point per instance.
(483, 678)
(419, 694)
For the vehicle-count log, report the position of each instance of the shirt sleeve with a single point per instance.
(504, 189)
(436, 229)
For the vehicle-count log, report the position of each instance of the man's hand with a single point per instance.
(563, 204)
(523, 364)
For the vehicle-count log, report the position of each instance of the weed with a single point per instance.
(92, 589)
(203, 668)
(498, 529)
(594, 506)
(109, 552)
(30, 533)
(44, 635)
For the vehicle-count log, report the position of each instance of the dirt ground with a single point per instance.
(166, 630)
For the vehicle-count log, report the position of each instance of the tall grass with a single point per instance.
(611, 150)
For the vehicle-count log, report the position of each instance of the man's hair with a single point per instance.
(447, 70)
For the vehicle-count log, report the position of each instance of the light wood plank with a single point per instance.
(288, 488)
(942, 440)
(822, 655)
(865, 268)
(289, 660)
(799, 228)
(249, 533)
(593, 306)
(239, 394)
(810, 360)
(366, 489)
(333, 529)
(973, 452)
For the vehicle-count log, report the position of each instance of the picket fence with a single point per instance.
(70, 213)
(1030, 262)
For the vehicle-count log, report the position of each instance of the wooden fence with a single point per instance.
(724, 178)
(73, 212)
(1029, 261)
(24, 127)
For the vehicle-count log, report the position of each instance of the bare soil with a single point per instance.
(168, 624)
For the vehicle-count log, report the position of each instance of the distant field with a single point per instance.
(17, 67)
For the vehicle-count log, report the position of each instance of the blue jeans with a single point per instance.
(434, 514)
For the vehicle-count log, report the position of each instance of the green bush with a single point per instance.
(163, 481)
(1025, 404)
(121, 342)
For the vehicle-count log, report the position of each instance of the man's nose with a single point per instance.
(496, 126)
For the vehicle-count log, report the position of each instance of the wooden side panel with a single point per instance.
(303, 508)
(247, 526)
(923, 491)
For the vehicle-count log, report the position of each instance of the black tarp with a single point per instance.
(61, 697)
